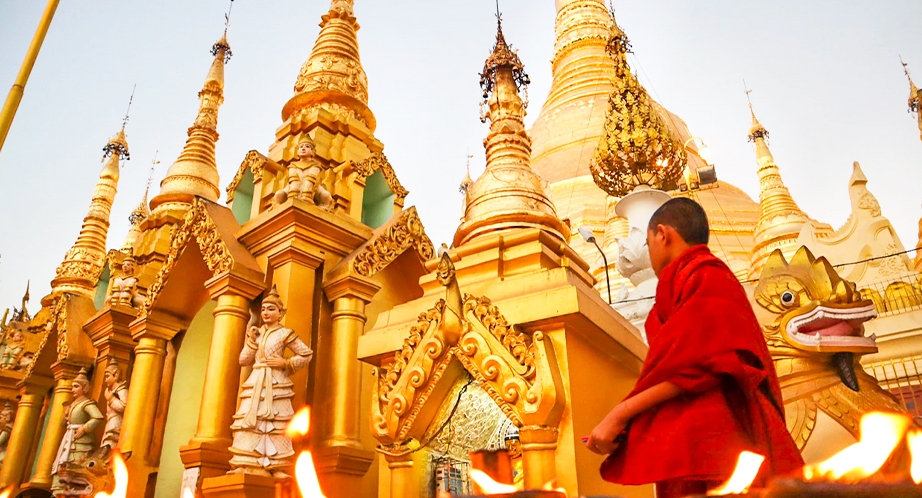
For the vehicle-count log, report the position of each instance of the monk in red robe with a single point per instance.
(708, 388)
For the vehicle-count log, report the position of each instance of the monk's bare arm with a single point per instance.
(602, 438)
(647, 399)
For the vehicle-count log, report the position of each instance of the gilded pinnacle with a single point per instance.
(508, 195)
(195, 172)
(83, 263)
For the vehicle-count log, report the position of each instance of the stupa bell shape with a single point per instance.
(85, 260)
(195, 172)
(508, 195)
(333, 74)
(780, 219)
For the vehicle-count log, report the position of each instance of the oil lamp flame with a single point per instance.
(880, 435)
(7, 492)
(747, 468)
(490, 487)
(305, 474)
(187, 493)
(120, 471)
(914, 441)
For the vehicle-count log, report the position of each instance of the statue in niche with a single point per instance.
(305, 178)
(260, 445)
(6, 428)
(13, 352)
(116, 399)
(124, 289)
(81, 418)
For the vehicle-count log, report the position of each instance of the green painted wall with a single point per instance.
(184, 401)
(101, 287)
(377, 202)
(243, 198)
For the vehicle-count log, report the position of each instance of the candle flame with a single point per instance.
(188, 493)
(300, 423)
(7, 492)
(747, 468)
(305, 474)
(880, 435)
(120, 470)
(490, 487)
(914, 440)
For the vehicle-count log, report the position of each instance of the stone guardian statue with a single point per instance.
(260, 445)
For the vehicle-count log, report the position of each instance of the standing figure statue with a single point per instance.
(124, 289)
(12, 354)
(305, 178)
(116, 398)
(82, 417)
(6, 428)
(260, 444)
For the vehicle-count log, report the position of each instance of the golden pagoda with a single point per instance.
(419, 357)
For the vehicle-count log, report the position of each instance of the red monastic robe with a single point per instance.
(705, 339)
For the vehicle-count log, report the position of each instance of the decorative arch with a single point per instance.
(377, 161)
(518, 370)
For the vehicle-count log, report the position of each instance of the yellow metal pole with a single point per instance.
(15, 96)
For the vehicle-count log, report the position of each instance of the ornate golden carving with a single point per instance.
(196, 224)
(518, 371)
(377, 161)
(405, 233)
(255, 162)
(816, 369)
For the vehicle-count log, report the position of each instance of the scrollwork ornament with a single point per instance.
(407, 232)
(377, 161)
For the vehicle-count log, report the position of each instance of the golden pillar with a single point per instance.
(22, 437)
(64, 374)
(539, 450)
(404, 477)
(19, 86)
(206, 455)
(339, 452)
(152, 332)
(111, 336)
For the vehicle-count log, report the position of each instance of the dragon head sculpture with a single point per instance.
(817, 313)
(87, 477)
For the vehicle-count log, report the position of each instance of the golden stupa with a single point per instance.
(421, 356)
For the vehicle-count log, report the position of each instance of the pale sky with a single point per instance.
(826, 77)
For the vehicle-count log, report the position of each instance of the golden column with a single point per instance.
(26, 424)
(404, 477)
(152, 333)
(19, 86)
(338, 448)
(64, 374)
(539, 452)
(207, 450)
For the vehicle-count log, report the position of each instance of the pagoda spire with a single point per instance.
(141, 212)
(915, 97)
(780, 219)
(508, 195)
(84, 261)
(195, 172)
(334, 72)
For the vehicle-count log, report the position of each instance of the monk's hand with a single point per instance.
(79, 433)
(277, 362)
(602, 439)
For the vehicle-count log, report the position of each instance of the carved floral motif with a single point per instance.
(869, 203)
(255, 162)
(405, 233)
(377, 161)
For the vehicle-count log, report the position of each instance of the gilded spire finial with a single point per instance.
(915, 97)
(780, 219)
(83, 263)
(508, 195)
(195, 172)
(636, 147)
(334, 72)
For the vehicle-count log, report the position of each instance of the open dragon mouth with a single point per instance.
(76, 486)
(839, 329)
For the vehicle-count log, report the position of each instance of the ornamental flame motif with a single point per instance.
(636, 147)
